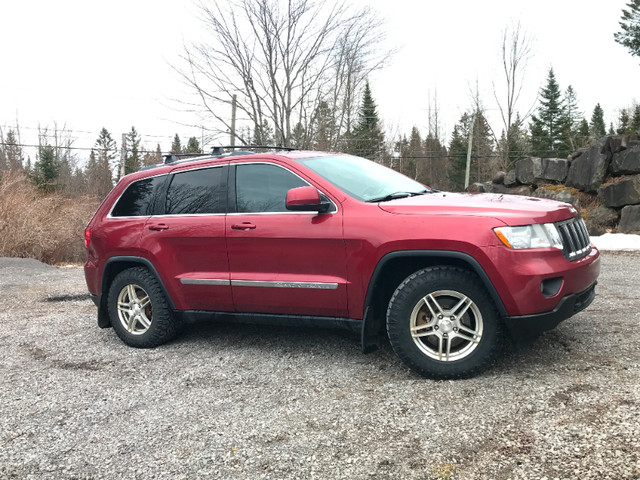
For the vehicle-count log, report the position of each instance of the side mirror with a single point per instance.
(306, 199)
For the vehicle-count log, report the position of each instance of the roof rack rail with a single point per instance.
(174, 157)
(220, 150)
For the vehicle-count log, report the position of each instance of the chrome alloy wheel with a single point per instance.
(446, 325)
(134, 309)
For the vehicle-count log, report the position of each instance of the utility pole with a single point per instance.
(466, 175)
(123, 154)
(233, 122)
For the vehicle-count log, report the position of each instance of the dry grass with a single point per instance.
(48, 228)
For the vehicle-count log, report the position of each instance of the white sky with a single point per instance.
(88, 64)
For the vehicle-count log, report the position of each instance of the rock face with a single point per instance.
(630, 219)
(510, 178)
(601, 219)
(534, 171)
(561, 195)
(588, 171)
(626, 162)
(619, 194)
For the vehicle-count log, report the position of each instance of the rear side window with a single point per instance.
(196, 192)
(138, 199)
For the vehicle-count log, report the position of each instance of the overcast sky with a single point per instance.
(88, 64)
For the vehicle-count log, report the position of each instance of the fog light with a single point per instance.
(551, 286)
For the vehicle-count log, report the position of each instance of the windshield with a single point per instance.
(363, 179)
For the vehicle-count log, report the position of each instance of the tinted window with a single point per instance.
(263, 188)
(196, 192)
(137, 199)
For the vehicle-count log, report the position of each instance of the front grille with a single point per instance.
(575, 238)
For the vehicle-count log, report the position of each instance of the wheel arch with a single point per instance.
(112, 268)
(393, 268)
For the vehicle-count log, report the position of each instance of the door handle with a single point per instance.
(159, 226)
(243, 226)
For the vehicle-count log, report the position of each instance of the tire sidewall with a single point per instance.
(161, 328)
(411, 291)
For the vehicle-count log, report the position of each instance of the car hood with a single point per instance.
(511, 209)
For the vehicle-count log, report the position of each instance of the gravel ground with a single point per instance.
(239, 401)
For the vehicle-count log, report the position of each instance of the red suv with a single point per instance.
(309, 238)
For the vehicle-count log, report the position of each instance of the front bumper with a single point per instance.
(526, 327)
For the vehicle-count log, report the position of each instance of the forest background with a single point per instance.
(297, 74)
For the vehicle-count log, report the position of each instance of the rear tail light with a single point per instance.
(87, 237)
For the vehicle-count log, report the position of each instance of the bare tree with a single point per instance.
(516, 50)
(280, 59)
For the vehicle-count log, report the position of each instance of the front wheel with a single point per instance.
(442, 323)
(139, 311)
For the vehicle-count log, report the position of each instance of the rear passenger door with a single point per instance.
(282, 261)
(187, 239)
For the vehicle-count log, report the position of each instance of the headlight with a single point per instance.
(530, 236)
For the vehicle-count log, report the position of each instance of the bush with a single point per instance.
(49, 228)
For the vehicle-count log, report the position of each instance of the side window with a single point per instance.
(263, 188)
(137, 199)
(196, 192)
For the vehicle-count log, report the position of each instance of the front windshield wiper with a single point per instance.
(395, 195)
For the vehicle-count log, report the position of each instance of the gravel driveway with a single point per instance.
(245, 402)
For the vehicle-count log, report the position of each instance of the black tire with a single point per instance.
(139, 310)
(422, 321)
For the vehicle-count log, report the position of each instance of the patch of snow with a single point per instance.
(617, 242)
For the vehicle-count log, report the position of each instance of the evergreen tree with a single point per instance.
(11, 151)
(299, 137)
(516, 144)
(263, 134)
(597, 128)
(193, 146)
(367, 139)
(132, 156)
(635, 121)
(176, 146)
(106, 159)
(582, 138)
(323, 128)
(46, 169)
(432, 170)
(629, 36)
(572, 120)
(458, 156)
(624, 123)
(549, 126)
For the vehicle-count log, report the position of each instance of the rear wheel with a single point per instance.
(442, 323)
(139, 311)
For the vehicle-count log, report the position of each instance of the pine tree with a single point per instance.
(132, 157)
(193, 146)
(106, 154)
(516, 143)
(458, 156)
(367, 139)
(11, 151)
(263, 134)
(572, 120)
(629, 36)
(582, 138)
(323, 128)
(597, 128)
(548, 127)
(635, 121)
(624, 123)
(176, 146)
(46, 169)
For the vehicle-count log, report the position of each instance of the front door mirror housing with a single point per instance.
(306, 199)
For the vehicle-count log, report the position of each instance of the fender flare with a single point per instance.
(103, 313)
(368, 332)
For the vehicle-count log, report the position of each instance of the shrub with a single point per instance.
(48, 228)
